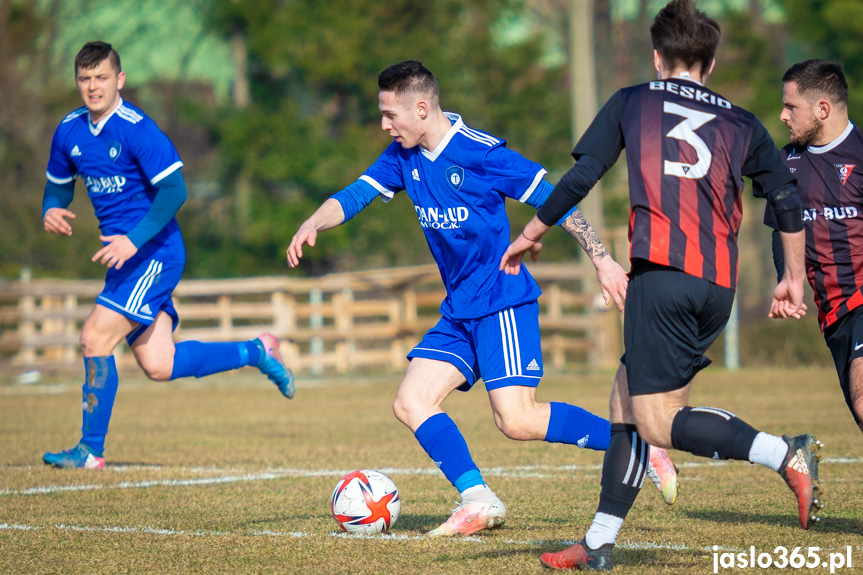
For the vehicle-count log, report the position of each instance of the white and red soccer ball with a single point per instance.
(365, 502)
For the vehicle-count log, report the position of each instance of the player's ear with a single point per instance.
(422, 108)
(121, 80)
(823, 109)
(710, 69)
(657, 61)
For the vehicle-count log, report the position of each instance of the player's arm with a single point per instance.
(170, 195)
(772, 179)
(335, 211)
(59, 187)
(55, 200)
(596, 151)
(612, 278)
(571, 189)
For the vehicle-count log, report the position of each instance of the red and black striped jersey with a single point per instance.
(687, 150)
(830, 184)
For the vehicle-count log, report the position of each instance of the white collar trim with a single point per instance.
(827, 147)
(457, 124)
(95, 129)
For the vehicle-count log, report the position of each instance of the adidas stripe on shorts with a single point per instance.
(502, 349)
(141, 289)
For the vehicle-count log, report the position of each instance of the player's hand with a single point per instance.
(613, 281)
(307, 234)
(116, 253)
(55, 221)
(510, 263)
(787, 301)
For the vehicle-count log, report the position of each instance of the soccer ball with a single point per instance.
(365, 502)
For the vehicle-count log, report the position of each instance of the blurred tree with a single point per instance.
(831, 29)
(311, 125)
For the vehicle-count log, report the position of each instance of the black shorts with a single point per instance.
(845, 340)
(670, 320)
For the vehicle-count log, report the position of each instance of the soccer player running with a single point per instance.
(458, 179)
(132, 174)
(687, 148)
(825, 154)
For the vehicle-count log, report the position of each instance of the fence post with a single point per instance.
(316, 322)
(27, 303)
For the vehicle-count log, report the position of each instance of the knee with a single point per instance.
(406, 408)
(653, 430)
(157, 370)
(93, 342)
(517, 426)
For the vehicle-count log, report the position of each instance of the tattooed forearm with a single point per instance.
(578, 227)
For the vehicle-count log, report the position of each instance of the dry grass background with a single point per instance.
(222, 475)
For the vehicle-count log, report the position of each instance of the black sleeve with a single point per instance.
(596, 151)
(570, 190)
(778, 255)
(764, 165)
(603, 139)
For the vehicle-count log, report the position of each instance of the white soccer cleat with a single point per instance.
(468, 518)
(663, 473)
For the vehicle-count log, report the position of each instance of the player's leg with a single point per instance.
(426, 384)
(441, 363)
(844, 338)
(623, 472)
(685, 317)
(103, 330)
(855, 392)
(161, 359)
(510, 358)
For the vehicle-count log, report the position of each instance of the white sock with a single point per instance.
(477, 493)
(604, 529)
(768, 450)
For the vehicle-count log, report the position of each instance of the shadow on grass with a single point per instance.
(667, 558)
(826, 525)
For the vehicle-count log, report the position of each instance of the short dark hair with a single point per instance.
(411, 77)
(94, 53)
(683, 34)
(816, 78)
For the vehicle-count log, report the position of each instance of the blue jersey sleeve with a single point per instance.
(154, 151)
(512, 174)
(355, 198)
(60, 170)
(385, 175)
(538, 197)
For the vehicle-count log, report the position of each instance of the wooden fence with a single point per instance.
(334, 323)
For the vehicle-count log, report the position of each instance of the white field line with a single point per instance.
(525, 471)
(387, 536)
(335, 534)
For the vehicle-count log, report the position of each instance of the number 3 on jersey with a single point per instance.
(685, 131)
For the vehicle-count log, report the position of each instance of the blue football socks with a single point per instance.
(201, 359)
(99, 391)
(576, 426)
(444, 443)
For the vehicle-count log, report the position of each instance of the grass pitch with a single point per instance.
(223, 475)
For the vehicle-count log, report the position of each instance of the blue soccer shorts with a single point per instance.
(140, 290)
(502, 349)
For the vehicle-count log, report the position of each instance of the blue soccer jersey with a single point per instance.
(120, 160)
(458, 191)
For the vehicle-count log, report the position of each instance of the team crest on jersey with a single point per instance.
(455, 176)
(844, 171)
(114, 151)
